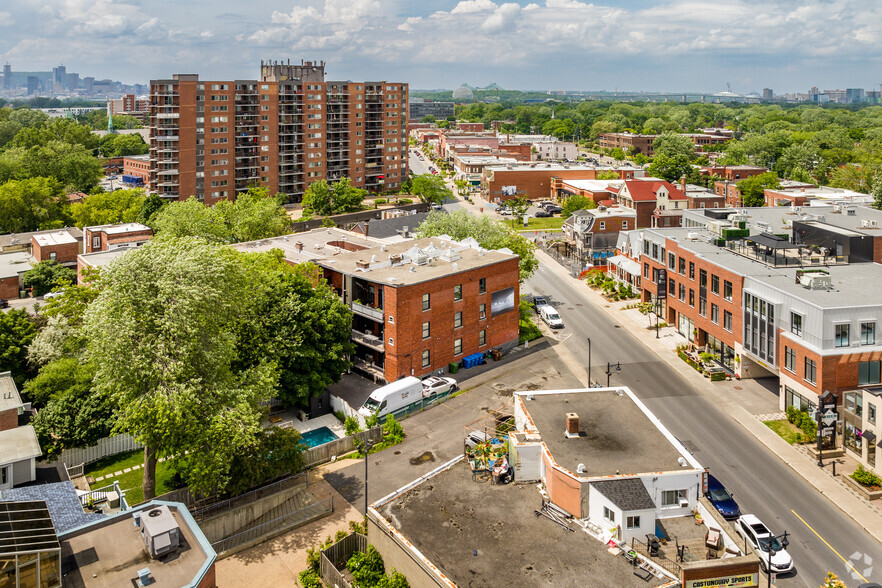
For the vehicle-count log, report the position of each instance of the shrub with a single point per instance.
(717, 377)
(310, 579)
(404, 201)
(367, 568)
(707, 357)
(809, 427)
(392, 431)
(866, 477)
(351, 425)
(792, 414)
(380, 201)
(372, 421)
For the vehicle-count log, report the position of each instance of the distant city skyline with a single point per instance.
(630, 45)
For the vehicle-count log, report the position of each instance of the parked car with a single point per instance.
(436, 385)
(553, 209)
(551, 318)
(763, 540)
(721, 499)
(437, 206)
(539, 302)
(505, 211)
(50, 295)
(4, 303)
(392, 397)
(542, 214)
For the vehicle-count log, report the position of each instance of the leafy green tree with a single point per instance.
(151, 205)
(72, 414)
(33, 204)
(574, 203)
(296, 321)
(276, 452)
(17, 330)
(428, 119)
(117, 145)
(72, 164)
(673, 157)
(489, 234)
(162, 338)
(753, 189)
(877, 193)
(607, 175)
(430, 188)
(326, 199)
(60, 129)
(46, 276)
(97, 120)
(253, 215)
(62, 334)
(106, 208)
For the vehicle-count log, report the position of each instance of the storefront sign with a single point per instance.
(662, 284)
(727, 582)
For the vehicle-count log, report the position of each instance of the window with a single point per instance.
(426, 305)
(789, 359)
(624, 225)
(871, 413)
(427, 330)
(727, 320)
(4, 476)
(482, 311)
(426, 358)
(691, 271)
(391, 341)
(482, 338)
(868, 333)
(691, 297)
(672, 261)
(672, 497)
(682, 266)
(602, 226)
(52, 255)
(715, 314)
(811, 370)
(482, 286)
(633, 522)
(609, 515)
(727, 290)
(702, 306)
(457, 320)
(457, 347)
(868, 373)
(796, 323)
(682, 293)
(96, 242)
(841, 336)
(457, 292)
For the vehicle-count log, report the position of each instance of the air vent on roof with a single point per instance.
(160, 531)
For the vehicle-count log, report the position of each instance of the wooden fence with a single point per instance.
(103, 448)
(323, 453)
(338, 554)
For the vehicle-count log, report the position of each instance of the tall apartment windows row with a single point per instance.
(759, 327)
(811, 371)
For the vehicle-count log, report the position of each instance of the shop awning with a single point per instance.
(870, 436)
(772, 242)
(627, 265)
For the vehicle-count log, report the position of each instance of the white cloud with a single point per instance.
(470, 6)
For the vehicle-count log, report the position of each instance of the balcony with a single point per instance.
(368, 340)
(367, 311)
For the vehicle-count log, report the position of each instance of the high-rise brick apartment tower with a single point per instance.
(214, 139)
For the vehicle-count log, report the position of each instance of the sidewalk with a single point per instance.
(865, 514)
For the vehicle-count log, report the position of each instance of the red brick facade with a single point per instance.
(9, 288)
(61, 252)
(9, 419)
(137, 167)
(535, 183)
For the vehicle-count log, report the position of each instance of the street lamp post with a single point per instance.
(366, 446)
(609, 370)
(772, 553)
(589, 361)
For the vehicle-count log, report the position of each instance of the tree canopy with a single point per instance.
(46, 276)
(105, 208)
(430, 188)
(252, 215)
(117, 145)
(753, 189)
(326, 199)
(673, 157)
(489, 233)
(17, 330)
(574, 203)
(31, 205)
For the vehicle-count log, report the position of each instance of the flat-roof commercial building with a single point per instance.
(537, 180)
(784, 292)
(581, 446)
(213, 139)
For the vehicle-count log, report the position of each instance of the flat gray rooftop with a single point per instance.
(615, 435)
(448, 517)
(103, 258)
(313, 245)
(13, 264)
(9, 396)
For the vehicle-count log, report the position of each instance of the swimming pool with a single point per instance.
(318, 437)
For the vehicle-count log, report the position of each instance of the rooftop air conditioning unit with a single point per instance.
(692, 236)
(160, 531)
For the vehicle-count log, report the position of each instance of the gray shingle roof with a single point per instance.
(65, 508)
(626, 493)
(388, 227)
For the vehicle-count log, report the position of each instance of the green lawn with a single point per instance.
(131, 481)
(785, 429)
(553, 223)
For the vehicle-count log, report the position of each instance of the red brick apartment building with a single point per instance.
(136, 166)
(644, 143)
(657, 203)
(420, 305)
(108, 237)
(470, 127)
(733, 173)
(19, 253)
(214, 139)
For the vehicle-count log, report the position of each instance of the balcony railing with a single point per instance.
(367, 311)
(368, 340)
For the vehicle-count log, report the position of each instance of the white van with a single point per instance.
(550, 316)
(392, 397)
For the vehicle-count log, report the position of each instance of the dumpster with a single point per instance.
(453, 368)
(472, 360)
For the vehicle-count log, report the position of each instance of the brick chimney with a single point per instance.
(572, 424)
(683, 184)
(298, 246)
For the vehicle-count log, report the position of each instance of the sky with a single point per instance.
(629, 45)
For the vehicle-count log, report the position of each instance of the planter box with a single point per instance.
(866, 493)
(827, 453)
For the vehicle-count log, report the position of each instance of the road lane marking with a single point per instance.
(847, 562)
